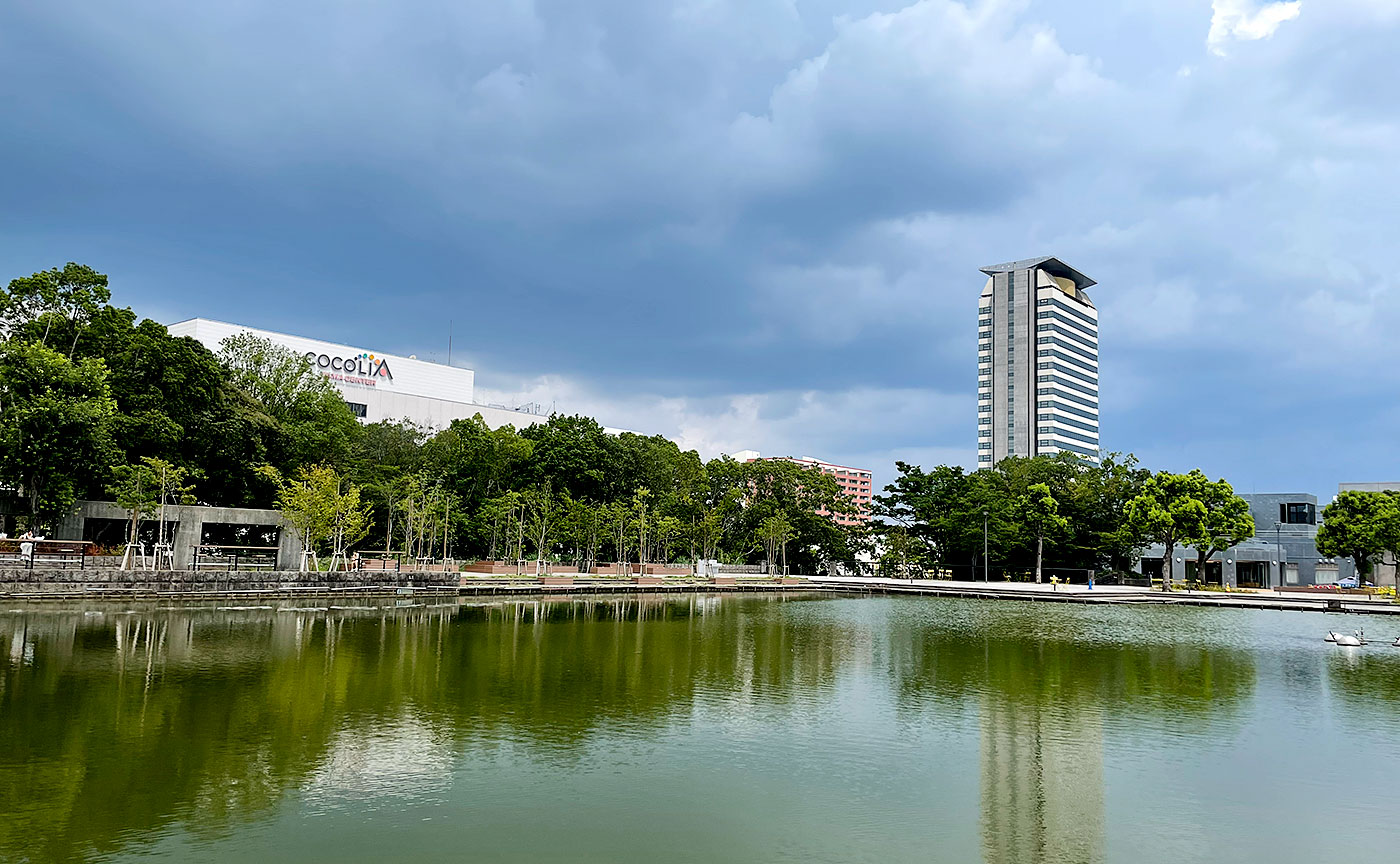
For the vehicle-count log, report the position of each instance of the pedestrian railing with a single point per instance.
(45, 553)
(210, 555)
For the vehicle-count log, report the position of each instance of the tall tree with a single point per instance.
(55, 419)
(542, 509)
(1227, 522)
(938, 509)
(1040, 512)
(1100, 500)
(64, 298)
(1360, 526)
(143, 486)
(573, 452)
(1168, 511)
(773, 535)
(316, 423)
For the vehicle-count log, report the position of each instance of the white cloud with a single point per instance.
(1247, 21)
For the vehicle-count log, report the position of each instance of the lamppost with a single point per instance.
(1278, 552)
(985, 576)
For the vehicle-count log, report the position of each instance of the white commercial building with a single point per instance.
(1037, 362)
(378, 386)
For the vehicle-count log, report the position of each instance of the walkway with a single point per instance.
(1116, 594)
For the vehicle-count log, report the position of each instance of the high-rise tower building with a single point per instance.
(1037, 362)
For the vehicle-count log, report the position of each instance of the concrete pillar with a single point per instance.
(70, 527)
(288, 549)
(187, 535)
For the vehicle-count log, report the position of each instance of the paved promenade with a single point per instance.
(1261, 599)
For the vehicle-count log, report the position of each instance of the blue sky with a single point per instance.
(753, 223)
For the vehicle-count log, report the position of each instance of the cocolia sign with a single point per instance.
(363, 364)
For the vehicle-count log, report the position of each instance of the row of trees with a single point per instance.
(1078, 514)
(96, 404)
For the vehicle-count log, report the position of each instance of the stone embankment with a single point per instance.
(45, 583)
(66, 583)
(89, 582)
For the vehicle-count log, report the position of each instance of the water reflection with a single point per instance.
(1042, 784)
(214, 714)
(1046, 687)
(122, 726)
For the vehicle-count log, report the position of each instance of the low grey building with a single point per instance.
(107, 526)
(1283, 550)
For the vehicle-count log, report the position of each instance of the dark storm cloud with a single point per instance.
(749, 223)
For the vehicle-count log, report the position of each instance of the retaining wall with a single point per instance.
(52, 580)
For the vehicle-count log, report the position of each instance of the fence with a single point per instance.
(980, 573)
(47, 553)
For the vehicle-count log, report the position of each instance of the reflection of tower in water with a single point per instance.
(1042, 782)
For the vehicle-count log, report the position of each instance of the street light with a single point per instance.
(985, 576)
(1278, 552)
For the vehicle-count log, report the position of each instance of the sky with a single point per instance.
(753, 224)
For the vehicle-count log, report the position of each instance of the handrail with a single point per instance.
(65, 548)
(219, 557)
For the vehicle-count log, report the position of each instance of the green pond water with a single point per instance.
(695, 728)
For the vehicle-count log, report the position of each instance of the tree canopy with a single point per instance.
(91, 397)
(1360, 526)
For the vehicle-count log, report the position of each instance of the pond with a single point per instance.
(695, 728)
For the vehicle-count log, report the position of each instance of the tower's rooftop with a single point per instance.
(1050, 264)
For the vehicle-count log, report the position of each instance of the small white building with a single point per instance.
(378, 386)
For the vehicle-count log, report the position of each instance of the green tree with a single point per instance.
(325, 509)
(585, 525)
(715, 517)
(142, 487)
(542, 509)
(1169, 511)
(773, 535)
(498, 517)
(55, 418)
(1227, 522)
(619, 519)
(62, 297)
(573, 453)
(897, 548)
(1040, 512)
(666, 529)
(315, 421)
(641, 523)
(938, 509)
(1360, 526)
(479, 463)
(1100, 501)
(806, 499)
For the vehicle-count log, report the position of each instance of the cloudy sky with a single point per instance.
(753, 223)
